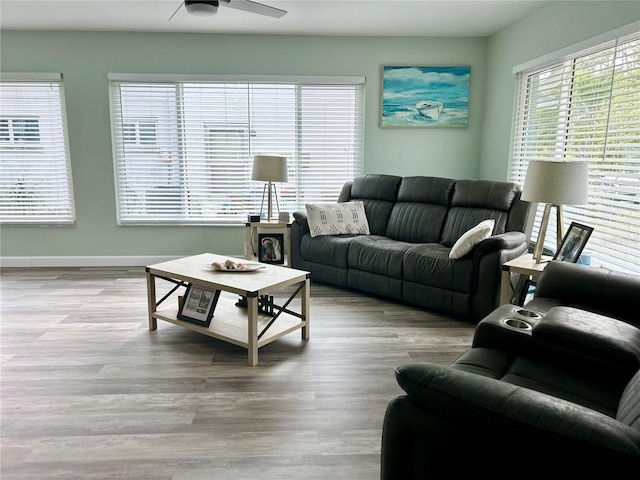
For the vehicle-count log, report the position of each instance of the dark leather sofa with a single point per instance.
(414, 222)
(559, 398)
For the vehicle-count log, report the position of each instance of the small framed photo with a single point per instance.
(271, 248)
(573, 242)
(198, 305)
(528, 292)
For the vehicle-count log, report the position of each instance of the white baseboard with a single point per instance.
(107, 261)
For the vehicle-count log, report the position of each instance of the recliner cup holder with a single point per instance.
(516, 324)
(523, 312)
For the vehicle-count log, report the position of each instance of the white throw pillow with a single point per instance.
(471, 238)
(337, 218)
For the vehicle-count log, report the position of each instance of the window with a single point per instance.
(14, 131)
(184, 146)
(35, 172)
(587, 107)
(139, 132)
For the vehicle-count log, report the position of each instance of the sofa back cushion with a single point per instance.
(419, 213)
(629, 407)
(378, 193)
(474, 201)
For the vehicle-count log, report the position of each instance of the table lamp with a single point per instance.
(555, 184)
(269, 168)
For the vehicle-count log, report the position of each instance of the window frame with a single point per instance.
(135, 134)
(51, 203)
(14, 139)
(613, 237)
(237, 208)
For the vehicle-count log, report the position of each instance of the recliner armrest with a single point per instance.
(513, 413)
(595, 289)
(603, 338)
(575, 338)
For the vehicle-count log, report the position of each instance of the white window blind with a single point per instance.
(183, 149)
(587, 107)
(35, 173)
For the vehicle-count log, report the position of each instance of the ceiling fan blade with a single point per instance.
(174, 13)
(254, 7)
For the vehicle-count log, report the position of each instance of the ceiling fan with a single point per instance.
(210, 7)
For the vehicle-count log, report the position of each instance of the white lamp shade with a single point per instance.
(269, 168)
(557, 183)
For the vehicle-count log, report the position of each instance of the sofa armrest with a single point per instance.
(507, 414)
(299, 228)
(598, 290)
(345, 192)
(488, 257)
(502, 241)
(301, 218)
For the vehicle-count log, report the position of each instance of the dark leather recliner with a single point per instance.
(551, 390)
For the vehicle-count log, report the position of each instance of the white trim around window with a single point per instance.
(586, 107)
(184, 144)
(36, 187)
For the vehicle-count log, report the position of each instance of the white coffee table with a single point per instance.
(245, 327)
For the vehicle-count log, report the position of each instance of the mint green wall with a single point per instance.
(85, 58)
(553, 27)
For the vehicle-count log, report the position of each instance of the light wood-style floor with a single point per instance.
(88, 392)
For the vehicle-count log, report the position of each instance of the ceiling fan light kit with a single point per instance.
(205, 8)
(202, 8)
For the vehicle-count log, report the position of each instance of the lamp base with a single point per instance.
(537, 252)
(270, 190)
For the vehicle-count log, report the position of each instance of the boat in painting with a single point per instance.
(430, 109)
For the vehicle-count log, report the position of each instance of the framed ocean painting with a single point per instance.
(425, 96)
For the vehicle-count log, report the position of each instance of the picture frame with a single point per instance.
(425, 96)
(198, 305)
(528, 291)
(271, 248)
(573, 242)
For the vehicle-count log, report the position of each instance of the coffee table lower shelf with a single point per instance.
(229, 324)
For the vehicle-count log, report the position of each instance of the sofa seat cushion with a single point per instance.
(378, 254)
(429, 264)
(554, 381)
(329, 250)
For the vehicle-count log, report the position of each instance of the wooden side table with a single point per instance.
(251, 241)
(524, 265)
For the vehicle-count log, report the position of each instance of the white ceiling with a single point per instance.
(306, 17)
